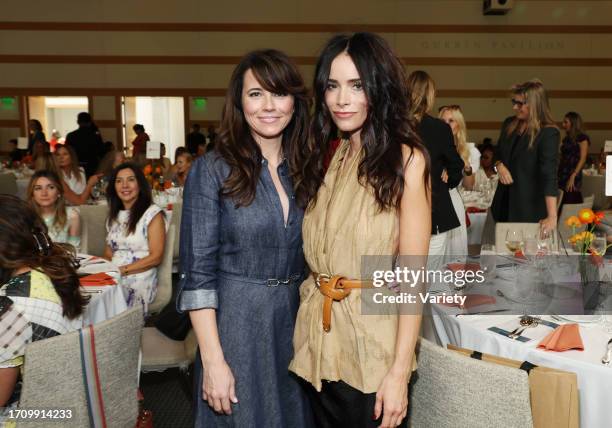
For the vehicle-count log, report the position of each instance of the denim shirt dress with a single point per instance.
(247, 264)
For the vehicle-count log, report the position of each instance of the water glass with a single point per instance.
(599, 243)
(488, 261)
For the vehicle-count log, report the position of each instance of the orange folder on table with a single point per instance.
(97, 279)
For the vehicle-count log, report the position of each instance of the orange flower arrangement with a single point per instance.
(583, 240)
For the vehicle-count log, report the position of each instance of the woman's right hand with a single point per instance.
(504, 174)
(218, 387)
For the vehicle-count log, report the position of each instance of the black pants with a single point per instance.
(339, 405)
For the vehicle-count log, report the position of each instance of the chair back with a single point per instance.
(452, 390)
(164, 274)
(54, 377)
(528, 229)
(93, 229)
(160, 352)
(8, 184)
(568, 210)
(596, 185)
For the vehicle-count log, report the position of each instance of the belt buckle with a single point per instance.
(320, 277)
(274, 282)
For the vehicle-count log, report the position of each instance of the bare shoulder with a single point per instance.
(413, 159)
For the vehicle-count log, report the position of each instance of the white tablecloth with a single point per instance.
(106, 302)
(105, 305)
(594, 379)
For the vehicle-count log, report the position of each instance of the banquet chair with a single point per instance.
(160, 353)
(529, 229)
(568, 210)
(8, 184)
(164, 274)
(93, 229)
(55, 371)
(454, 391)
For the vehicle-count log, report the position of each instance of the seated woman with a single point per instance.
(46, 195)
(46, 161)
(486, 174)
(35, 273)
(77, 188)
(110, 161)
(182, 166)
(136, 232)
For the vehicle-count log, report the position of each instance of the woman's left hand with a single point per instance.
(569, 187)
(392, 399)
(548, 224)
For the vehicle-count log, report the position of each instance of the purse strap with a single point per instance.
(91, 378)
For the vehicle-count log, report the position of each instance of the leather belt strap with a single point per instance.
(335, 287)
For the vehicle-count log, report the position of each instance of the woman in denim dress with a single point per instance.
(241, 250)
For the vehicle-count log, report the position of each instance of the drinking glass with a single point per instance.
(599, 243)
(514, 240)
(488, 261)
(545, 242)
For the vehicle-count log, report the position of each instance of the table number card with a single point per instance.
(609, 176)
(22, 143)
(153, 149)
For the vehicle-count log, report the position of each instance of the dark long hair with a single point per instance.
(278, 74)
(25, 243)
(576, 125)
(387, 127)
(143, 202)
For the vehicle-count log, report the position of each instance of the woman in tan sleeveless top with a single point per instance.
(373, 201)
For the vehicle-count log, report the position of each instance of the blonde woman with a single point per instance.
(452, 115)
(77, 188)
(528, 155)
(438, 139)
(46, 195)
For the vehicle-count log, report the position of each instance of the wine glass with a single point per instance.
(599, 243)
(514, 240)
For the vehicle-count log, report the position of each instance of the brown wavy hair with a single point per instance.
(388, 125)
(278, 74)
(25, 243)
(61, 214)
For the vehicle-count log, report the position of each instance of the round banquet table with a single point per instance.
(446, 325)
(106, 301)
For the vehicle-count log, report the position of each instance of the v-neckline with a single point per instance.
(277, 196)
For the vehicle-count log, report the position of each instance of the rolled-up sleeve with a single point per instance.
(548, 160)
(199, 245)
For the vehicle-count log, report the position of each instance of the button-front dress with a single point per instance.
(235, 259)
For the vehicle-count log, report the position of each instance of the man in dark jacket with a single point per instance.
(194, 139)
(87, 143)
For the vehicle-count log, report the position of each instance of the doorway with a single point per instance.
(57, 115)
(162, 117)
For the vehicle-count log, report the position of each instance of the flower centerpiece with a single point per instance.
(582, 240)
(155, 178)
(589, 259)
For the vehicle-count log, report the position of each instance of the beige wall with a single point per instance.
(110, 64)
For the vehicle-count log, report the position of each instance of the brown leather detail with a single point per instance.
(335, 288)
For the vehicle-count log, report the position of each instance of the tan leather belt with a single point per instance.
(335, 287)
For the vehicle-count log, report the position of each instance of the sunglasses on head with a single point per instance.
(518, 102)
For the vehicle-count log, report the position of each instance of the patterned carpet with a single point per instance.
(165, 395)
